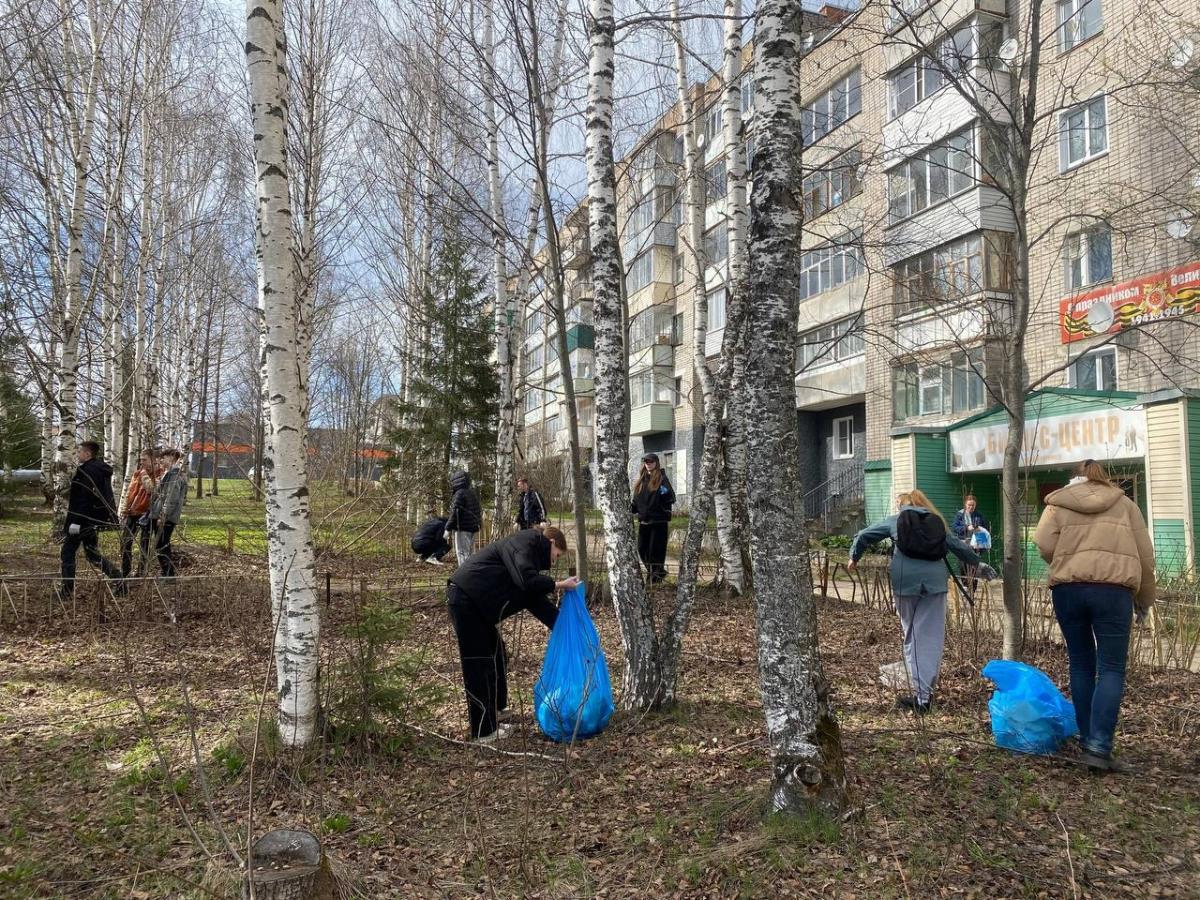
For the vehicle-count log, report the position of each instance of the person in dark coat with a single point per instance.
(429, 542)
(497, 582)
(90, 508)
(466, 516)
(531, 512)
(969, 521)
(653, 498)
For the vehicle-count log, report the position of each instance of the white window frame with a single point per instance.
(1072, 22)
(1077, 252)
(1088, 109)
(1097, 354)
(716, 308)
(848, 423)
(825, 268)
(915, 179)
(820, 118)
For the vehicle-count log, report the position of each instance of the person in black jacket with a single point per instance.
(466, 516)
(531, 512)
(429, 542)
(90, 508)
(499, 581)
(653, 498)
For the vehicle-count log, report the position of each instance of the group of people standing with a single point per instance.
(153, 505)
(1101, 576)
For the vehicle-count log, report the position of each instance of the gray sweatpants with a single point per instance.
(923, 623)
(464, 546)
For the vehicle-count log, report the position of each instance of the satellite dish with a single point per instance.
(700, 140)
(808, 41)
(863, 171)
(1179, 228)
(1182, 52)
(1008, 51)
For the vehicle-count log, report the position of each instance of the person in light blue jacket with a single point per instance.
(919, 584)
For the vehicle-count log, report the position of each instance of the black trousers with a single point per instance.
(129, 533)
(652, 548)
(484, 667)
(89, 539)
(163, 548)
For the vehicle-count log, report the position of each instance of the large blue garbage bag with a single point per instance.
(1029, 714)
(573, 696)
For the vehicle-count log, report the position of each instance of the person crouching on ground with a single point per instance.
(919, 578)
(135, 516)
(466, 516)
(497, 582)
(166, 508)
(653, 498)
(429, 542)
(1101, 570)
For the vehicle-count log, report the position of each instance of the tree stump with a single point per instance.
(287, 865)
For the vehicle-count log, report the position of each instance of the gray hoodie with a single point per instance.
(912, 577)
(170, 495)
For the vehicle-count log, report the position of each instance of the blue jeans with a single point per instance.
(1095, 620)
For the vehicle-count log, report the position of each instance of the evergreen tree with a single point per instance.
(20, 434)
(449, 418)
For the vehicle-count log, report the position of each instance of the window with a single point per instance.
(951, 272)
(678, 391)
(1078, 20)
(925, 75)
(640, 273)
(747, 92)
(715, 182)
(830, 344)
(829, 266)
(651, 386)
(534, 321)
(843, 437)
(533, 358)
(679, 268)
(677, 329)
(1087, 257)
(943, 171)
(650, 326)
(554, 424)
(716, 309)
(583, 366)
(552, 349)
(714, 121)
(834, 107)
(1083, 133)
(925, 389)
(641, 216)
(900, 11)
(1095, 371)
(716, 245)
(533, 399)
(832, 185)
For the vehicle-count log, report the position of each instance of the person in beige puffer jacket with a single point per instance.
(1101, 568)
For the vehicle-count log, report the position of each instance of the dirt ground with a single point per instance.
(668, 804)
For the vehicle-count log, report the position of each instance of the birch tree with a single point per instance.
(805, 744)
(289, 528)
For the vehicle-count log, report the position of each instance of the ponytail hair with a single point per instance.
(1092, 471)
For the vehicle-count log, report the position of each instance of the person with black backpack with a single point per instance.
(919, 584)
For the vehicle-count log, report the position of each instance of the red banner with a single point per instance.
(1152, 298)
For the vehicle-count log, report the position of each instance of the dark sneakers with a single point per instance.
(914, 706)
(1102, 764)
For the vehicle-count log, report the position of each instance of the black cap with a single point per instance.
(650, 457)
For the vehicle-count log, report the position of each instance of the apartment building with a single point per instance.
(908, 252)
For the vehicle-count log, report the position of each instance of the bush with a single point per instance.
(378, 682)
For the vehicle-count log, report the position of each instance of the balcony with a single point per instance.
(581, 337)
(580, 292)
(578, 252)
(653, 418)
(661, 234)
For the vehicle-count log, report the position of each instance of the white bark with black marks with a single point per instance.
(289, 539)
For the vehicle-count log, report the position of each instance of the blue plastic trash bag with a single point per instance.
(1029, 714)
(573, 696)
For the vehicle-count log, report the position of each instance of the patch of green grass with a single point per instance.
(140, 765)
(802, 830)
(231, 760)
(338, 823)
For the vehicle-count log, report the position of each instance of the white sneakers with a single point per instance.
(434, 562)
(503, 731)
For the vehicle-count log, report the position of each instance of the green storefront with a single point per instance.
(1150, 443)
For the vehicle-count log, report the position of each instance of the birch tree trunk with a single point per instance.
(807, 765)
(289, 542)
(641, 678)
(505, 313)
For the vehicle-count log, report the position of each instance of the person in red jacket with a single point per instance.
(137, 506)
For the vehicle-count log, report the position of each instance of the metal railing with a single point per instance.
(828, 500)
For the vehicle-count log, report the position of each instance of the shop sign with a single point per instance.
(1113, 308)
(1061, 441)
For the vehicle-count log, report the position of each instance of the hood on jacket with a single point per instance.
(97, 466)
(460, 480)
(1088, 498)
